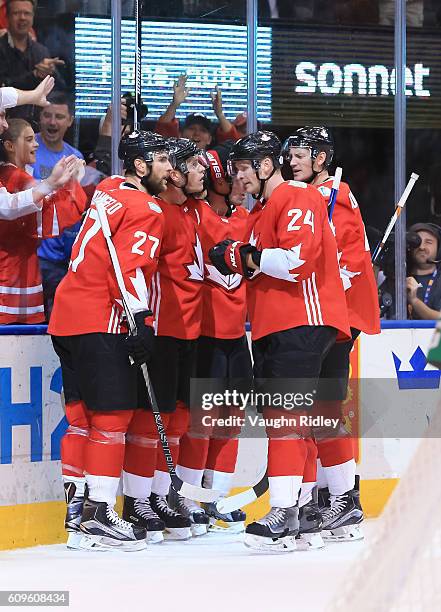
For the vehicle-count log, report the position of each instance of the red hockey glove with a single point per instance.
(140, 346)
(230, 257)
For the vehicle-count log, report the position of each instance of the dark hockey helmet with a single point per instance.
(182, 149)
(141, 144)
(316, 139)
(254, 148)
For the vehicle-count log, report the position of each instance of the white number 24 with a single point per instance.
(296, 213)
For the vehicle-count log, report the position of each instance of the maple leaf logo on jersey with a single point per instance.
(140, 300)
(196, 269)
(297, 261)
(229, 282)
(345, 274)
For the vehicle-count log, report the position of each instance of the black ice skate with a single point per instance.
(105, 530)
(323, 499)
(276, 531)
(140, 513)
(177, 527)
(341, 520)
(74, 511)
(310, 525)
(191, 510)
(231, 522)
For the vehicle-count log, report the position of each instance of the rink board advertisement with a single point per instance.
(32, 423)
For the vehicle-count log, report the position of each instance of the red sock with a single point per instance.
(334, 451)
(74, 441)
(104, 453)
(193, 452)
(286, 457)
(142, 442)
(310, 470)
(222, 455)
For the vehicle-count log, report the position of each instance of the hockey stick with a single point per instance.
(138, 38)
(413, 179)
(187, 490)
(334, 191)
(234, 502)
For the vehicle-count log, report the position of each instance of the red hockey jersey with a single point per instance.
(21, 291)
(88, 299)
(298, 282)
(224, 307)
(175, 293)
(354, 259)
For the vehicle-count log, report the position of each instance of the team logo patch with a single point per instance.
(155, 207)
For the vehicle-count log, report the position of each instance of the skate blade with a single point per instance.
(349, 533)
(224, 527)
(74, 540)
(154, 537)
(276, 545)
(310, 541)
(104, 543)
(177, 533)
(198, 529)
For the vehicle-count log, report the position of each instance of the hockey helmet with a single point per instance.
(182, 149)
(141, 144)
(254, 148)
(316, 139)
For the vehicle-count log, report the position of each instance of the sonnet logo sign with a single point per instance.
(345, 77)
(356, 79)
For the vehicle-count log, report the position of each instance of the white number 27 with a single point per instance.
(142, 238)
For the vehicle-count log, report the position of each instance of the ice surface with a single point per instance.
(214, 572)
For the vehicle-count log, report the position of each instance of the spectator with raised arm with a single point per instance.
(196, 127)
(23, 61)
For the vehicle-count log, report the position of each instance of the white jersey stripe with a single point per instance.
(21, 309)
(317, 300)
(21, 290)
(305, 295)
(112, 314)
(158, 302)
(314, 313)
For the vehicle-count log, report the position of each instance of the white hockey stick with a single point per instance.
(234, 502)
(413, 179)
(183, 488)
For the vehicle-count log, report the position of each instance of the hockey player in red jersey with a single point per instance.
(103, 391)
(21, 291)
(310, 152)
(296, 306)
(175, 298)
(223, 352)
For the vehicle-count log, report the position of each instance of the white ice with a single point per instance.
(214, 572)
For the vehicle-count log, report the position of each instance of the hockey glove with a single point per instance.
(230, 257)
(140, 346)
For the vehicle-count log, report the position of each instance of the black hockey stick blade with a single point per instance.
(234, 502)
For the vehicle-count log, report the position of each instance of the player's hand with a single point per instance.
(412, 288)
(140, 346)
(180, 90)
(216, 100)
(230, 257)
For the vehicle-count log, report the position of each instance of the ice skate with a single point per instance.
(231, 522)
(275, 532)
(191, 510)
(341, 520)
(140, 513)
(310, 525)
(105, 530)
(177, 526)
(74, 511)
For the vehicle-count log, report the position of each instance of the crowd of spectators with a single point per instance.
(24, 63)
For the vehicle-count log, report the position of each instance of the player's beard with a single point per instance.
(153, 184)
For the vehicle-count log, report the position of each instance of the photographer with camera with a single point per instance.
(424, 280)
